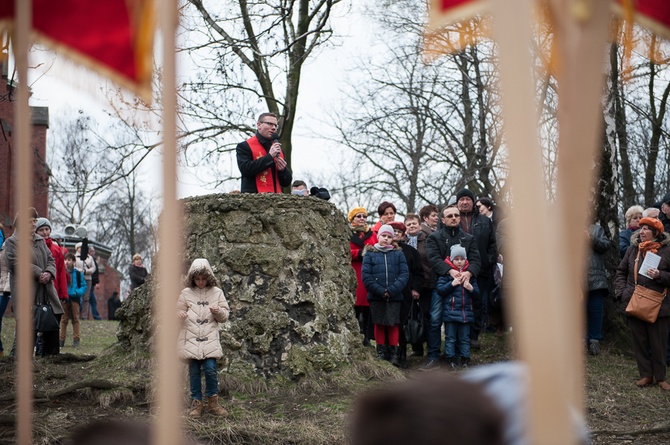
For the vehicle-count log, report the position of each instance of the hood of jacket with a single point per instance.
(200, 266)
(372, 248)
(663, 238)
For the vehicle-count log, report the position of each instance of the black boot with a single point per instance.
(381, 352)
(394, 352)
(403, 358)
(465, 362)
(453, 362)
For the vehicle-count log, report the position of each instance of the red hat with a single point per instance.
(653, 223)
(397, 225)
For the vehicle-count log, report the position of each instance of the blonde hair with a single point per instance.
(631, 212)
(137, 256)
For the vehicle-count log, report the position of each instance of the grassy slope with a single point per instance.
(315, 410)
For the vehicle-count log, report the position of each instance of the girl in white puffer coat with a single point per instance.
(201, 307)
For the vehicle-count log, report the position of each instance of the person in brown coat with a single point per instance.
(43, 273)
(650, 340)
(202, 306)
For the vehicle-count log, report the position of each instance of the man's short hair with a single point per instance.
(648, 211)
(70, 256)
(298, 183)
(448, 206)
(413, 216)
(427, 210)
(260, 118)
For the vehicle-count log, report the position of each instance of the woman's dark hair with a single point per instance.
(486, 202)
(385, 205)
(431, 410)
(427, 210)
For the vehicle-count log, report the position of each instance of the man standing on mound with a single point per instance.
(261, 160)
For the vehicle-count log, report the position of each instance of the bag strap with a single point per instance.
(637, 259)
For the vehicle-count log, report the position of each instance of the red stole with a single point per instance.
(265, 179)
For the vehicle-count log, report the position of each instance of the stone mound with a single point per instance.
(284, 264)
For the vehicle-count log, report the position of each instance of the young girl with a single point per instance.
(385, 275)
(458, 314)
(202, 306)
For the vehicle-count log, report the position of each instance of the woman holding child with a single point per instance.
(650, 340)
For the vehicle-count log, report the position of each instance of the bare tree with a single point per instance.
(420, 132)
(249, 58)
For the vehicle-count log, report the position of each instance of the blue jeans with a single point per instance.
(211, 383)
(94, 304)
(4, 302)
(457, 333)
(434, 340)
(594, 314)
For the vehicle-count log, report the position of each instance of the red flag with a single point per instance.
(445, 12)
(652, 14)
(113, 37)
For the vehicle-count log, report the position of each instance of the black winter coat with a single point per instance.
(384, 272)
(481, 227)
(600, 244)
(415, 267)
(438, 247)
(250, 167)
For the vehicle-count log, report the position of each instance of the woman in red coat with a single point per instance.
(361, 236)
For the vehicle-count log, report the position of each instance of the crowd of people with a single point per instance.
(447, 264)
(64, 280)
(440, 262)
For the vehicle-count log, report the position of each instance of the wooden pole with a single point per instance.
(23, 185)
(581, 37)
(167, 429)
(536, 293)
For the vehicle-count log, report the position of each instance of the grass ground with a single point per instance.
(313, 411)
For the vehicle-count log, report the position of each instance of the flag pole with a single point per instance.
(23, 183)
(581, 41)
(167, 428)
(536, 290)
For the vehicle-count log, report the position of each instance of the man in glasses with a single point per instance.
(261, 160)
(438, 247)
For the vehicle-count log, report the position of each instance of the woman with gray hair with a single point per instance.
(633, 216)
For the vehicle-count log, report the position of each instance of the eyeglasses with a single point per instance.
(272, 124)
(452, 215)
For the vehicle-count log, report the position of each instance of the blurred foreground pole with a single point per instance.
(534, 298)
(167, 428)
(23, 186)
(581, 36)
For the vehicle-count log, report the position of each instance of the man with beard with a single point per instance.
(481, 228)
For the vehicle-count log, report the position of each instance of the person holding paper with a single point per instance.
(650, 340)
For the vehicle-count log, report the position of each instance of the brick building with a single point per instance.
(109, 277)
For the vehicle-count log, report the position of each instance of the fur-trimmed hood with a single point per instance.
(663, 238)
(369, 248)
(200, 266)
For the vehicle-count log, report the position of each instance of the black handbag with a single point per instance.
(45, 319)
(414, 326)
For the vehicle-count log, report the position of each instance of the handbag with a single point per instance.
(45, 319)
(413, 329)
(644, 304)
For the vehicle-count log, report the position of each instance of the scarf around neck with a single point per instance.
(649, 246)
(381, 248)
(359, 229)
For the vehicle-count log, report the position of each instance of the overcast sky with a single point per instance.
(67, 86)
